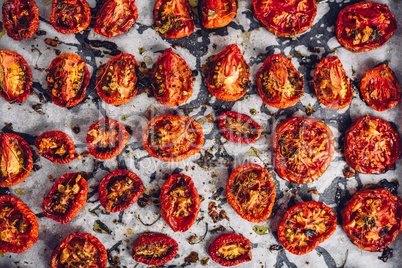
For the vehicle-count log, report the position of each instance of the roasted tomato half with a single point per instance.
(67, 80)
(380, 88)
(238, 128)
(66, 198)
(15, 77)
(172, 80)
(15, 159)
(365, 26)
(18, 225)
(79, 250)
(20, 18)
(228, 75)
(251, 192)
(115, 17)
(371, 145)
(172, 138)
(173, 18)
(285, 18)
(230, 249)
(217, 13)
(306, 225)
(116, 83)
(70, 16)
(154, 249)
(179, 202)
(304, 148)
(119, 190)
(106, 138)
(56, 146)
(372, 218)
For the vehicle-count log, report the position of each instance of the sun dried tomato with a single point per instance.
(217, 13)
(56, 146)
(20, 18)
(230, 250)
(70, 16)
(66, 198)
(238, 128)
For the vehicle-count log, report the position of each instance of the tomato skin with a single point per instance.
(15, 11)
(371, 145)
(228, 63)
(59, 138)
(70, 16)
(61, 188)
(230, 239)
(150, 241)
(293, 141)
(382, 81)
(330, 74)
(108, 130)
(170, 204)
(216, 14)
(81, 245)
(10, 60)
(172, 79)
(372, 20)
(234, 196)
(109, 15)
(285, 18)
(230, 131)
(23, 240)
(8, 149)
(385, 210)
(307, 212)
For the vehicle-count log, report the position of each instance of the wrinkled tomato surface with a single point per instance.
(56, 146)
(20, 18)
(230, 250)
(70, 16)
(238, 128)
(217, 13)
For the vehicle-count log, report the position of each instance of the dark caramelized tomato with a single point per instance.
(365, 26)
(331, 84)
(228, 75)
(285, 18)
(238, 128)
(115, 17)
(172, 138)
(70, 16)
(106, 138)
(119, 190)
(56, 146)
(371, 145)
(179, 202)
(230, 250)
(15, 159)
(279, 84)
(15, 77)
(304, 148)
(251, 192)
(67, 80)
(172, 80)
(154, 249)
(116, 83)
(18, 225)
(66, 198)
(305, 226)
(380, 88)
(173, 18)
(217, 13)
(79, 250)
(20, 18)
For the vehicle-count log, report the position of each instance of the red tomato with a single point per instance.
(238, 128)
(172, 80)
(365, 26)
(67, 80)
(66, 198)
(56, 146)
(230, 250)
(70, 16)
(173, 18)
(228, 75)
(20, 18)
(18, 225)
(380, 88)
(115, 17)
(179, 202)
(15, 77)
(15, 159)
(217, 13)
